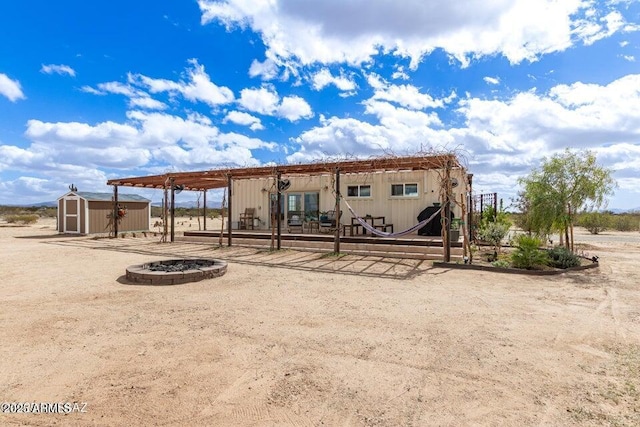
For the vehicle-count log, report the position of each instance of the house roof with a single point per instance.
(219, 178)
(108, 197)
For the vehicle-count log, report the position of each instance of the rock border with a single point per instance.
(141, 274)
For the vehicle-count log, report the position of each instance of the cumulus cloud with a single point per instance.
(354, 31)
(244, 119)
(324, 78)
(58, 69)
(405, 95)
(10, 88)
(197, 87)
(503, 138)
(268, 69)
(146, 138)
(266, 101)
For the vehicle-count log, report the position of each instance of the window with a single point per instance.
(404, 190)
(359, 191)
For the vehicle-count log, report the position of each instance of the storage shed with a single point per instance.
(82, 212)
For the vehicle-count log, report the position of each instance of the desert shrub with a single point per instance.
(595, 222)
(528, 254)
(625, 222)
(493, 233)
(501, 263)
(561, 257)
(21, 219)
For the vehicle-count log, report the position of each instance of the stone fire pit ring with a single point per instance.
(176, 271)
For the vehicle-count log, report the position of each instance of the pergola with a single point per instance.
(223, 177)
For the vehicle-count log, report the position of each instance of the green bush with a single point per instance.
(493, 233)
(527, 254)
(501, 263)
(561, 257)
(595, 222)
(625, 222)
(21, 219)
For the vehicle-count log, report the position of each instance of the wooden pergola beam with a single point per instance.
(218, 178)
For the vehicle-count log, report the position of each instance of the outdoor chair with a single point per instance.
(295, 221)
(328, 222)
(246, 219)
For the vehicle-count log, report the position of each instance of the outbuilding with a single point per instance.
(82, 212)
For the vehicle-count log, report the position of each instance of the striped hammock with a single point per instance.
(377, 232)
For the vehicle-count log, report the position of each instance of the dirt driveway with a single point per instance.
(296, 339)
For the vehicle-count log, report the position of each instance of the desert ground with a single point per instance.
(297, 339)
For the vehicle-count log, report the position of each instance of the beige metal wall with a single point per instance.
(137, 218)
(402, 212)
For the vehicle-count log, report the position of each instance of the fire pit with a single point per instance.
(176, 271)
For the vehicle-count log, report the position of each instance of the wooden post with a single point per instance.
(278, 209)
(165, 214)
(470, 206)
(447, 214)
(173, 209)
(115, 211)
(336, 239)
(230, 224)
(204, 210)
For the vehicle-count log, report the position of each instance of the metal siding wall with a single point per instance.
(401, 212)
(248, 193)
(82, 216)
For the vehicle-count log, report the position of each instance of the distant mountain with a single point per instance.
(620, 211)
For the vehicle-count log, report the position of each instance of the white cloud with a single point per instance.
(294, 108)
(629, 58)
(400, 74)
(267, 69)
(502, 138)
(405, 95)
(324, 78)
(146, 139)
(58, 69)
(10, 88)
(492, 80)
(147, 103)
(354, 31)
(197, 88)
(244, 119)
(263, 100)
(266, 101)
(137, 98)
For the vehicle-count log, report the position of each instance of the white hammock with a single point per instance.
(375, 231)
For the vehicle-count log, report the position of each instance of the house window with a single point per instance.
(359, 191)
(404, 190)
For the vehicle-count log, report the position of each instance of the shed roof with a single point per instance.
(108, 197)
(218, 178)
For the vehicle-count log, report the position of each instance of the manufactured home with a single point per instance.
(82, 212)
(394, 200)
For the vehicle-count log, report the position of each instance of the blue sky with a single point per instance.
(92, 91)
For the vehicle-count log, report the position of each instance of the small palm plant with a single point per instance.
(528, 254)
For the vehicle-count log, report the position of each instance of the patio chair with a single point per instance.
(246, 219)
(328, 222)
(295, 220)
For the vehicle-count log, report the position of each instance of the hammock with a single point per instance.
(374, 230)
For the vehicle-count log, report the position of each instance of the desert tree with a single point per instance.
(565, 184)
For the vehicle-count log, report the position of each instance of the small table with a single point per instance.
(369, 219)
